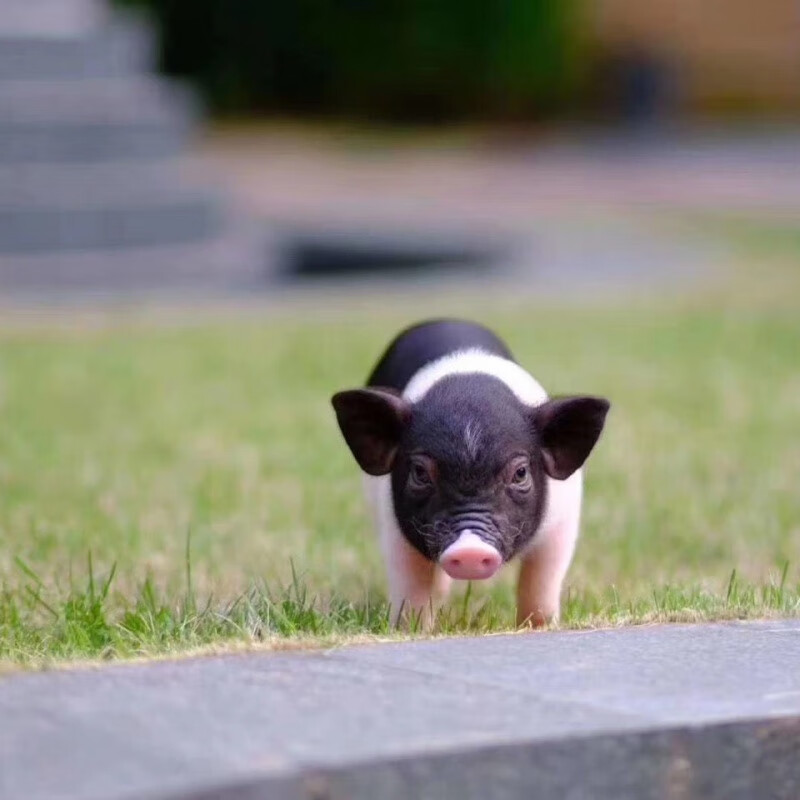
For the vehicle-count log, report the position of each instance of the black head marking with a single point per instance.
(474, 429)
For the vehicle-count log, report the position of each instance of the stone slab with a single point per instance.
(51, 17)
(46, 208)
(90, 141)
(686, 711)
(160, 221)
(93, 120)
(122, 49)
(110, 100)
(669, 674)
(50, 207)
(98, 185)
(235, 263)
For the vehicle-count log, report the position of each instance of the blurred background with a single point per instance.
(216, 213)
(501, 62)
(541, 142)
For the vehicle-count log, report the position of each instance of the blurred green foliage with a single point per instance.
(386, 59)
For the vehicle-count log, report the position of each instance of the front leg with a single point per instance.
(416, 585)
(545, 564)
(541, 576)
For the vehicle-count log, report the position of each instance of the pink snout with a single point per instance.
(469, 558)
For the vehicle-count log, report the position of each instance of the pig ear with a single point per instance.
(569, 428)
(372, 421)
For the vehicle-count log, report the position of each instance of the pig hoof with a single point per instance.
(536, 620)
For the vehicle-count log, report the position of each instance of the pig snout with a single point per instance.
(469, 558)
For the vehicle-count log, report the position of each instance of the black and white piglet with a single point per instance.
(468, 465)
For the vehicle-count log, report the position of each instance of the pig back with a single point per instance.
(421, 344)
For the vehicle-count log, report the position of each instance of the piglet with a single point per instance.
(468, 465)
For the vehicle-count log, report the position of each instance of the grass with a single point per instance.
(168, 488)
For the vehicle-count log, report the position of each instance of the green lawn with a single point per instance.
(171, 487)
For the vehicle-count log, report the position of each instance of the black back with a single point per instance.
(420, 344)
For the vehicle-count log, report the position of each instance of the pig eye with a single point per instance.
(521, 475)
(419, 476)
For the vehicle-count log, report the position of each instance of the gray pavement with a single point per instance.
(303, 176)
(650, 712)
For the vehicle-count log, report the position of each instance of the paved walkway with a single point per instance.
(651, 712)
(314, 176)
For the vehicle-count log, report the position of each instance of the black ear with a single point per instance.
(569, 428)
(372, 421)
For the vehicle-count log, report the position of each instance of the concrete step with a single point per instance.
(122, 101)
(121, 49)
(237, 260)
(89, 142)
(52, 17)
(65, 186)
(80, 207)
(166, 221)
(93, 120)
(707, 712)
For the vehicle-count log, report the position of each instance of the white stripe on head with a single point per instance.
(473, 438)
(476, 362)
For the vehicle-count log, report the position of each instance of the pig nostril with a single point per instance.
(456, 562)
(487, 562)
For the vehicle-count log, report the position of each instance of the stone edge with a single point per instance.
(758, 757)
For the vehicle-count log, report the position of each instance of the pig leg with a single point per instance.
(545, 564)
(416, 585)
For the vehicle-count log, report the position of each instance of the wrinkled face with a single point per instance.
(469, 463)
(468, 480)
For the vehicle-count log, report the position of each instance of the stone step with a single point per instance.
(55, 18)
(237, 260)
(166, 221)
(707, 712)
(98, 185)
(123, 101)
(121, 49)
(93, 120)
(79, 207)
(90, 142)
